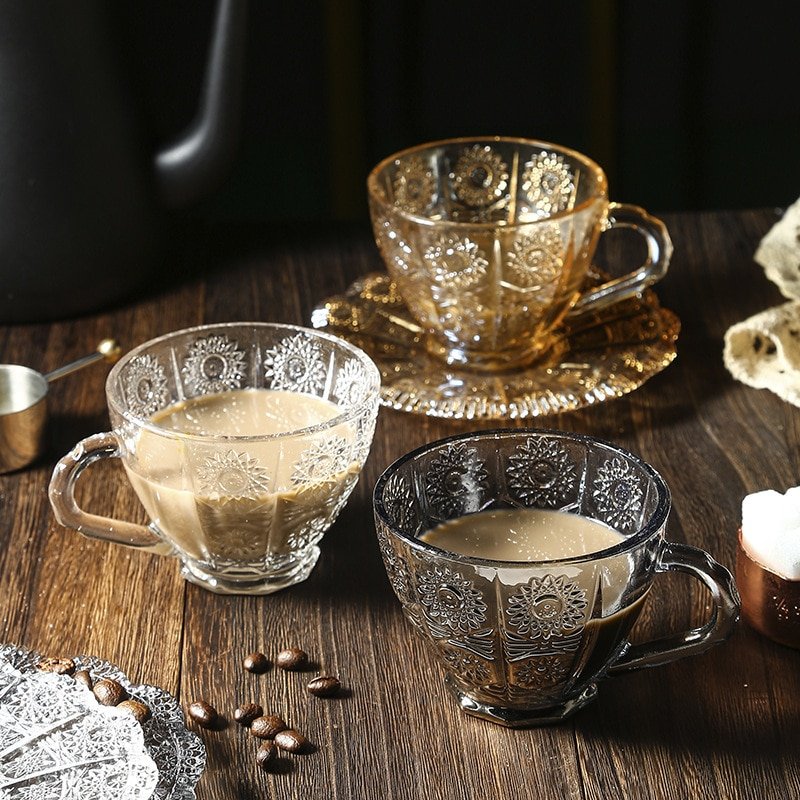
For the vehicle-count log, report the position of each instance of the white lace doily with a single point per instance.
(763, 351)
(57, 741)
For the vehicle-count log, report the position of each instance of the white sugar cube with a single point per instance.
(771, 530)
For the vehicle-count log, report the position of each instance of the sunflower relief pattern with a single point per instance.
(541, 473)
(296, 364)
(325, 459)
(534, 263)
(618, 494)
(456, 263)
(232, 475)
(480, 177)
(414, 186)
(456, 481)
(213, 364)
(145, 385)
(548, 183)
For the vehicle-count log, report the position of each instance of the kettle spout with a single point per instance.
(189, 167)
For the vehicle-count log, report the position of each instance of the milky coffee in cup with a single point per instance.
(242, 440)
(245, 505)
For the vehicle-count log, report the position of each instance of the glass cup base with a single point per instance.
(491, 362)
(519, 717)
(247, 581)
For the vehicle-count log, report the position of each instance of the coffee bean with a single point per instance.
(83, 676)
(108, 692)
(291, 741)
(266, 754)
(204, 714)
(256, 662)
(139, 710)
(247, 712)
(267, 727)
(324, 686)
(60, 666)
(292, 658)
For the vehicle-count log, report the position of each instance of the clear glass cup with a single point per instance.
(239, 484)
(490, 240)
(525, 643)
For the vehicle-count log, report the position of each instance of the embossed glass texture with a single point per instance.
(490, 240)
(242, 494)
(57, 743)
(594, 357)
(521, 641)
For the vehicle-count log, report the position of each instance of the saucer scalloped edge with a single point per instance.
(58, 742)
(596, 357)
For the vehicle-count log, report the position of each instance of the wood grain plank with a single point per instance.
(721, 725)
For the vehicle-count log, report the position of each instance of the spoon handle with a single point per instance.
(107, 350)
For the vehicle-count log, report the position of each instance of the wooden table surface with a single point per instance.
(722, 725)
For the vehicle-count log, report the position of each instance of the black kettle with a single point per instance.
(80, 198)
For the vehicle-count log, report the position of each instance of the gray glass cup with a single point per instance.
(525, 643)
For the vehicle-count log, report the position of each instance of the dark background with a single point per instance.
(687, 105)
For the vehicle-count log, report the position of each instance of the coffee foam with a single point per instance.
(771, 530)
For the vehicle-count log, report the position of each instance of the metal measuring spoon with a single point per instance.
(23, 405)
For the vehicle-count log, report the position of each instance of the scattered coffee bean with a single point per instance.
(292, 658)
(324, 686)
(256, 662)
(266, 754)
(267, 727)
(109, 692)
(139, 710)
(247, 712)
(291, 741)
(204, 714)
(83, 676)
(61, 666)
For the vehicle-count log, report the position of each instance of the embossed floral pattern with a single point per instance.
(456, 263)
(398, 499)
(323, 461)
(232, 475)
(480, 176)
(145, 384)
(541, 473)
(468, 667)
(350, 386)
(450, 600)
(541, 672)
(617, 494)
(455, 481)
(414, 185)
(213, 364)
(397, 569)
(535, 261)
(548, 606)
(548, 183)
(296, 364)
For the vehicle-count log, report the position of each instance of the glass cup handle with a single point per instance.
(724, 615)
(659, 253)
(70, 515)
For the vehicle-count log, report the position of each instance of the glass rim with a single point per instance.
(592, 166)
(114, 399)
(656, 521)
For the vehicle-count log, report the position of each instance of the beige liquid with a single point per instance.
(243, 500)
(532, 535)
(522, 535)
(535, 535)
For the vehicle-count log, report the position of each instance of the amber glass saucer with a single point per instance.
(596, 357)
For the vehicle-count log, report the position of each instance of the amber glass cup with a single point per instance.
(490, 240)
